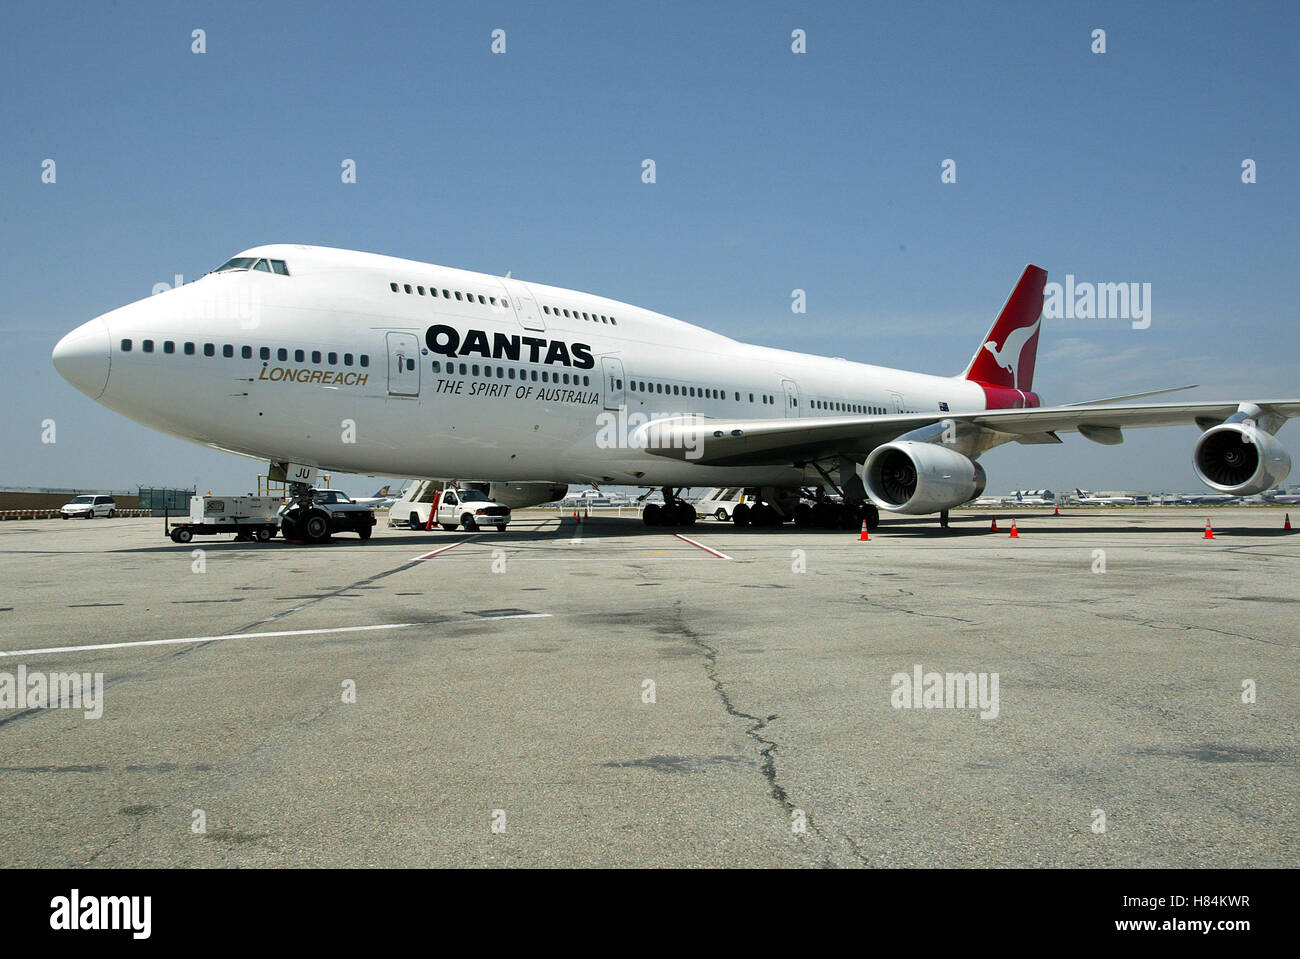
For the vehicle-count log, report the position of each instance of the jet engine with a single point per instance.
(910, 477)
(519, 495)
(1240, 459)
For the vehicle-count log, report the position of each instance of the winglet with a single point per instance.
(1007, 354)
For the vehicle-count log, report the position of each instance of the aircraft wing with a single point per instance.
(778, 441)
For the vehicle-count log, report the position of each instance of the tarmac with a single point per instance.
(605, 694)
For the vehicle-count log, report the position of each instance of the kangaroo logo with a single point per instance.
(1012, 346)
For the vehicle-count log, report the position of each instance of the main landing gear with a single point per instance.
(673, 512)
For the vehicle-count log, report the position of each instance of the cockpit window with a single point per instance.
(253, 263)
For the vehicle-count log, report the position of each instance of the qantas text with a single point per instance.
(448, 341)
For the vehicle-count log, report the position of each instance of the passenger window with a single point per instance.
(458, 296)
(566, 379)
(347, 359)
(282, 354)
(332, 359)
(315, 357)
(546, 310)
(169, 346)
(393, 287)
(511, 372)
(586, 381)
(446, 295)
(189, 349)
(246, 352)
(147, 346)
(474, 368)
(463, 369)
(209, 349)
(365, 359)
(264, 352)
(410, 365)
(421, 289)
(504, 303)
(228, 351)
(487, 371)
(534, 375)
(500, 372)
(126, 346)
(299, 356)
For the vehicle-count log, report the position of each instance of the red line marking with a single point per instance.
(443, 549)
(706, 549)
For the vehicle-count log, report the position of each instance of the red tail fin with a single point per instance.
(1006, 357)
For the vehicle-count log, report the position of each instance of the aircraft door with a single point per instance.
(524, 305)
(897, 400)
(791, 398)
(613, 389)
(403, 364)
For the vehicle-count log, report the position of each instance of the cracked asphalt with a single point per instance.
(623, 697)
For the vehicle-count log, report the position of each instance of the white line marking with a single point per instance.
(443, 549)
(519, 616)
(707, 549)
(202, 639)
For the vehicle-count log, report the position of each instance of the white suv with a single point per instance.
(88, 507)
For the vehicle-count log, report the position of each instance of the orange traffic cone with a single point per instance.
(576, 517)
(1014, 533)
(863, 537)
(1056, 511)
(994, 527)
(1209, 533)
(1287, 523)
(587, 513)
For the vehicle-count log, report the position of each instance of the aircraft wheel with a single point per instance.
(315, 526)
(742, 515)
(650, 515)
(804, 516)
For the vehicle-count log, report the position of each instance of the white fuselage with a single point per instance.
(286, 379)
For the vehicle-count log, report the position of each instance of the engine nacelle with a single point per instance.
(910, 477)
(519, 495)
(1240, 459)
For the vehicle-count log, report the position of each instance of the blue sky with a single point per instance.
(775, 171)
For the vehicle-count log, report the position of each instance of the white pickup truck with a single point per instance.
(451, 506)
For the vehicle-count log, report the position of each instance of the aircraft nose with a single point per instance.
(81, 357)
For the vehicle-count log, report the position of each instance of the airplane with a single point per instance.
(1087, 499)
(382, 498)
(1034, 497)
(449, 373)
